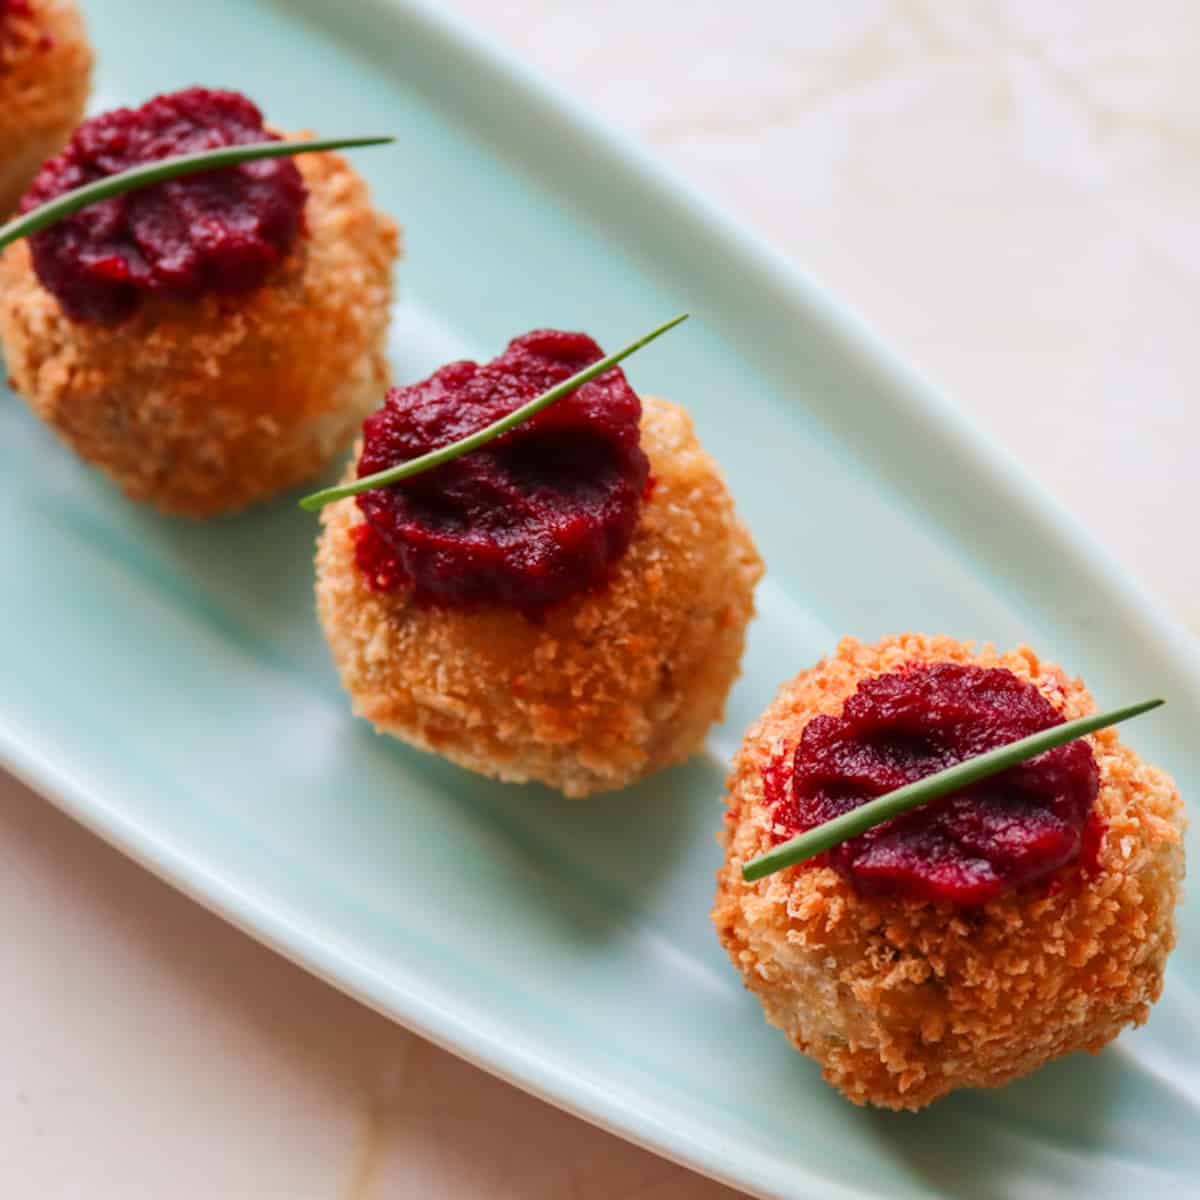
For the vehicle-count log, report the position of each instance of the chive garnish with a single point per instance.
(160, 171)
(883, 808)
(472, 441)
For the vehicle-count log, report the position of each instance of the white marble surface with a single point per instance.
(1008, 190)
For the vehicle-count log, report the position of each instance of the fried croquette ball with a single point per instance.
(210, 398)
(45, 74)
(902, 999)
(600, 691)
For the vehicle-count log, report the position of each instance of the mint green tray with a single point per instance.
(167, 685)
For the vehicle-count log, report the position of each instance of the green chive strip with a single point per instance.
(832, 833)
(464, 445)
(161, 170)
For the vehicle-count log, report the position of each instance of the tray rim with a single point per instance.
(30, 758)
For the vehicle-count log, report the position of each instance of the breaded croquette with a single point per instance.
(45, 75)
(593, 694)
(902, 996)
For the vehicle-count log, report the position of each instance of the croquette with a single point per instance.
(206, 404)
(45, 75)
(902, 1000)
(601, 690)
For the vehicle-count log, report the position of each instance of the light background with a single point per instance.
(1008, 191)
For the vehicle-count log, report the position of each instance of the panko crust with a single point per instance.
(45, 76)
(901, 1001)
(209, 405)
(608, 687)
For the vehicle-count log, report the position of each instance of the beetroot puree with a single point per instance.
(966, 848)
(222, 231)
(526, 521)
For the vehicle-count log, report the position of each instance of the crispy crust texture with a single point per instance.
(611, 686)
(45, 75)
(902, 1001)
(208, 406)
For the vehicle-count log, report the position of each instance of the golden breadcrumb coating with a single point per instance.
(45, 74)
(900, 1000)
(208, 405)
(610, 686)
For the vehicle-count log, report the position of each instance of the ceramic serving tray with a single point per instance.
(166, 682)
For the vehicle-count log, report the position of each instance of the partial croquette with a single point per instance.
(207, 405)
(900, 1000)
(45, 75)
(608, 686)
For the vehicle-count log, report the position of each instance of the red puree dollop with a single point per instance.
(222, 231)
(966, 848)
(526, 521)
